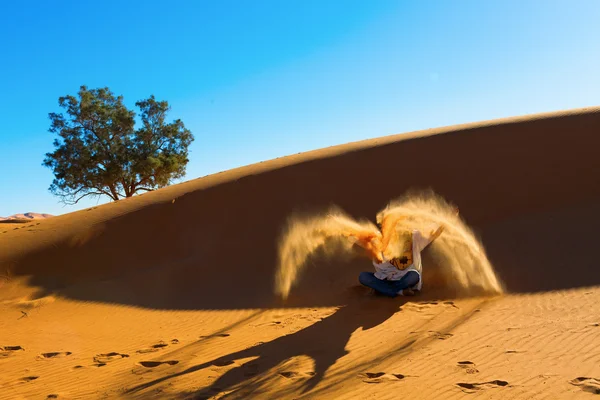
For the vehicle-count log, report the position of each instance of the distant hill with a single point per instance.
(26, 216)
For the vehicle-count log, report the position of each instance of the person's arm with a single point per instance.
(388, 229)
(369, 242)
(436, 233)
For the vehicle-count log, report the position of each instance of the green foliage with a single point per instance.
(99, 152)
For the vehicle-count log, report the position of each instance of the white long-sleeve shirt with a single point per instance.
(387, 271)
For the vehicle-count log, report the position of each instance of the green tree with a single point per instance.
(99, 152)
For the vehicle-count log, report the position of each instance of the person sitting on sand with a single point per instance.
(400, 275)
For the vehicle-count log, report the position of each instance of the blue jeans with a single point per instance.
(389, 288)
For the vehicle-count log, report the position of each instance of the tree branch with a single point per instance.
(134, 186)
(106, 193)
(143, 188)
(70, 203)
(126, 188)
(115, 194)
(162, 143)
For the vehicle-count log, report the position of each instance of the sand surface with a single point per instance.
(26, 216)
(171, 294)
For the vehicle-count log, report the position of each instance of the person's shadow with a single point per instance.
(324, 342)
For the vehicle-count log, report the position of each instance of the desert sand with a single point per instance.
(172, 294)
(15, 221)
(26, 216)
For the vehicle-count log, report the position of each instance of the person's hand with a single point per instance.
(377, 258)
(437, 232)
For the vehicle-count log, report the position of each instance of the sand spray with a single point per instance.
(459, 254)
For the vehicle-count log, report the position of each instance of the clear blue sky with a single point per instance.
(255, 80)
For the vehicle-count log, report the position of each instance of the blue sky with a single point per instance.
(256, 80)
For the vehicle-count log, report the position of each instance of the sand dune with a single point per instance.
(171, 294)
(28, 215)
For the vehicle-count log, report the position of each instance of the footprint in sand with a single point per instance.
(379, 377)
(468, 366)
(102, 359)
(55, 354)
(153, 364)
(146, 367)
(28, 379)
(472, 387)
(296, 375)
(6, 351)
(216, 335)
(146, 350)
(450, 303)
(420, 307)
(272, 323)
(440, 335)
(11, 348)
(586, 384)
(153, 348)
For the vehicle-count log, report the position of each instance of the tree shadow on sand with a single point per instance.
(324, 342)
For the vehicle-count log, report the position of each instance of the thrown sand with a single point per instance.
(461, 259)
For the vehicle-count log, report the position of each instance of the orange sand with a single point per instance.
(171, 294)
